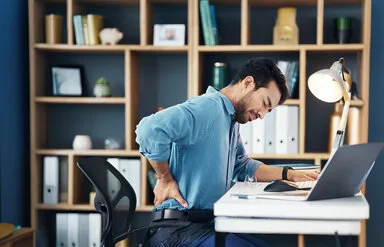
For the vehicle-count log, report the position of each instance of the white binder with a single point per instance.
(94, 230)
(258, 136)
(270, 123)
(293, 130)
(83, 230)
(131, 170)
(73, 230)
(245, 135)
(287, 129)
(51, 180)
(62, 230)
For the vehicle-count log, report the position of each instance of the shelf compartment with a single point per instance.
(228, 22)
(317, 112)
(234, 62)
(262, 20)
(80, 100)
(123, 15)
(167, 12)
(162, 79)
(332, 10)
(94, 67)
(65, 121)
(45, 7)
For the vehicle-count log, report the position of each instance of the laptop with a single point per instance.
(342, 176)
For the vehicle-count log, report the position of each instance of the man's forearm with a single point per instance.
(265, 173)
(161, 169)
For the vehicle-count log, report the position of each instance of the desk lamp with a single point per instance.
(329, 85)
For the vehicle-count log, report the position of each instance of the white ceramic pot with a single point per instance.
(82, 142)
(101, 90)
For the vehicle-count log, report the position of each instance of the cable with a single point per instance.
(337, 240)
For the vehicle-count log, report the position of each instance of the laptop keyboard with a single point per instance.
(304, 184)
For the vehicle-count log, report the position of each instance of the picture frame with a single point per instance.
(169, 35)
(67, 80)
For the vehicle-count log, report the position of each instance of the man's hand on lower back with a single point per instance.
(166, 188)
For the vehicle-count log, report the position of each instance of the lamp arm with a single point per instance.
(339, 138)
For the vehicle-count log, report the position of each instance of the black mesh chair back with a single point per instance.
(116, 201)
(115, 198)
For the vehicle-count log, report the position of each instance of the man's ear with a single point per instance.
(249, 83)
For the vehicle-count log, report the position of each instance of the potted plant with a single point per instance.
(102, 88)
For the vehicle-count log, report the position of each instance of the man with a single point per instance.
(197, 152)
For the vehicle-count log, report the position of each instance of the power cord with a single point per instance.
(337, 238)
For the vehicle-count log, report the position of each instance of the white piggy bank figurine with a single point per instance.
(110, 36)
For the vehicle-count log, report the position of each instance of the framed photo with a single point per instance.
(67, 81)
(169, 35)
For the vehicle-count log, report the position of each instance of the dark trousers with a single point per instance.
(199, 235)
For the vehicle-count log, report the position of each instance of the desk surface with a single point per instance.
(349, 208)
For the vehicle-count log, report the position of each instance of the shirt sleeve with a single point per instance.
(244, 165)
(184, 124)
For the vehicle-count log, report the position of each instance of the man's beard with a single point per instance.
(240, 112)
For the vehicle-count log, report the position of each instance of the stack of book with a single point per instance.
(87, 28)
(208, 22)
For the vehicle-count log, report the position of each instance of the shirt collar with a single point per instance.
(227, 103)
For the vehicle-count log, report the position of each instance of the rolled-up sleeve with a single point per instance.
(182, 124)
(244, 165)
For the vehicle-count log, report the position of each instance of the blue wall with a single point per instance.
(376, 127)
(14, 141)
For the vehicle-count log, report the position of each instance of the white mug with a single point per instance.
(82, 142)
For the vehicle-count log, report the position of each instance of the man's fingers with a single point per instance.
(181, 200)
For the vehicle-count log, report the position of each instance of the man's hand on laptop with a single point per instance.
(298, 176)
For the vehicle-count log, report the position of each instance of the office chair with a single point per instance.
(116, 201)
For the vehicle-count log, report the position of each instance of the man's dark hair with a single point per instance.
(263, 70)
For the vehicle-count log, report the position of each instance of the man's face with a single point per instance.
(257, 103)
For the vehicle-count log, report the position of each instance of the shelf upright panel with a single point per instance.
(146, 30)
(131, 98)
(245, 27)
(302, 97)
(320, 22)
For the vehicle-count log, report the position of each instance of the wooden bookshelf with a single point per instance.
(135, 63)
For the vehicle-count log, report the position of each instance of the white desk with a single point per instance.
(324, 217)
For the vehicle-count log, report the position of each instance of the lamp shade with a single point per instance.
(327, 84)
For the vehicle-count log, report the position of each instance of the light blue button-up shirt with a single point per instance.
(201, 141)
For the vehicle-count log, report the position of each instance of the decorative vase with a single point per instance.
(286, 31)
(343, 31)
(220, 75)
(53, 29)
(82, 142)
(102, 88)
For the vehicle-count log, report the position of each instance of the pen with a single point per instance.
(242, 196)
